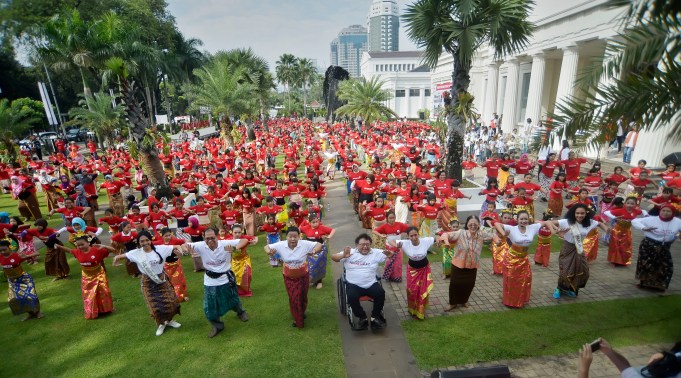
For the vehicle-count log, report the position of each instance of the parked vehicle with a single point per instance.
(76, 135)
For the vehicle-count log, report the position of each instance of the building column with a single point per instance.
(508, 122)
(568, 76)
(491, 96)
(536, 88)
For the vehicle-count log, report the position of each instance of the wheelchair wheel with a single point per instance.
(342, 302)
(351, 317)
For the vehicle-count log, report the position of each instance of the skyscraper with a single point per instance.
(384, 26)
(347, 48)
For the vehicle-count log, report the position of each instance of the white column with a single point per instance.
(536, 88)
(652, 146)
(568, 74)
(491, 96)
(510, 97)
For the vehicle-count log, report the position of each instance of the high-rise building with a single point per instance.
(384, 26)
(347, 48)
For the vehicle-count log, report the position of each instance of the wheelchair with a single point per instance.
(343, 305)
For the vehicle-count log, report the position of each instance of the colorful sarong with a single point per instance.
(556, 205)
(160, 298)
(116, 204)
(393, 265)
(176, 276)
(22, 295)
(271, 239)
(590, 244)
(517, 277)
(573, 268)
(620, 247)
(419, 285)
(297, 282)
(655, 266)
(499, 251)
(55, 262)
(545, 183)
(447, 254)
(428, 228)
(95, 289)
(543, 253)
(448, 213)
(241, 266)
(317, 265)
(218, 300)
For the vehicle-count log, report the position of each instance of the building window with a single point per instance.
(524, 92)
(414, 92)
(399, 93)
(376, 68)
(426, 92)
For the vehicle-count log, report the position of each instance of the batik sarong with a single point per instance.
(419, 285)
(95, 289)
(160, 298)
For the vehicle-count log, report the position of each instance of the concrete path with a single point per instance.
(367, 354)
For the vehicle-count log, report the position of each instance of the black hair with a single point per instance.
(491, 181)
(363, 236)
(4, 243)
(41, 222)
(593, 170)
(148, 235)
(292, 229)
(465, 226)
(165, 230)
(667, 366)
(522, 212)
(559, 174)
(570, 215)
(618, 201)
(668, 190)
(412, 228)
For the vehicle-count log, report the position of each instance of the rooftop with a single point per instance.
(395, 54)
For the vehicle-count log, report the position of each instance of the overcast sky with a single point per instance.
(303, 28)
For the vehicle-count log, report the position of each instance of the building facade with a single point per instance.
(569, 36)
(383, 23)
(347, 48)
(402, 74)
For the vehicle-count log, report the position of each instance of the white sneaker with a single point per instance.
(174, 324)
(160, 329)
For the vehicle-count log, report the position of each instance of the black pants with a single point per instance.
(375, 291)
(219, 324)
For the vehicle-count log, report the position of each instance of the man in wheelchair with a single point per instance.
(361, 265)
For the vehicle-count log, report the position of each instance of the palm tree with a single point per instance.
(98, 113)
(286, 73)
(13, 123)
(221, 87)
(306, 72)
(460, 28)
(364, 99)
(637, 80)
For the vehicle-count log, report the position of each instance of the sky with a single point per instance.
(304, 28)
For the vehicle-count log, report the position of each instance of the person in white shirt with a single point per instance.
(361, 265)
(655, 267)
(156, 287)
(573, 266)
(219, 283)
(419, 281)
(294, 252)
(661, 365)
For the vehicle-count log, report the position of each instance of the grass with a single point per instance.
(124, 342)
(448, 341)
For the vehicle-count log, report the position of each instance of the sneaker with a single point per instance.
(571, 294)
(556, 293)
(377, 323)
(361, 325)
(174, 324)
(213, 332)
(160, 329)
(243, 317)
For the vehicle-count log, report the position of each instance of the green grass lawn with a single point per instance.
(454, 340)
(63, 343)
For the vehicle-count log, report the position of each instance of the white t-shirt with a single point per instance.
(632, 372)
(295, 257)
(155, 263)
(564, 225)
(361, 269)
(416, 252)
(218, 260)
(663, 232)
(522, 239)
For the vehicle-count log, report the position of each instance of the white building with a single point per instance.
(404, 77)
(569, 35)
(383, 24)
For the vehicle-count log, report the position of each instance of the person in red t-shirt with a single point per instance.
(491, 193)
(126, 241)
(492, 165)
(376, 212)
(23, 297)
(572, 167)
(620, 247)
(111, 220)
(272, 230)
(70, 211)
(546, 174)
(557, 188)
(391, 231)
(429, 213)
(638, 185)
(94, 282)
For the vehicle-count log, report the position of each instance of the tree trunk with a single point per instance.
(226, 129)
(456, 124)
(147, 96)
(304, 100)
(153, 168)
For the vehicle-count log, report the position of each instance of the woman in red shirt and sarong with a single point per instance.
(620, 247)
(391, 231)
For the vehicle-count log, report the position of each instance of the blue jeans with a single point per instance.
(627, 154)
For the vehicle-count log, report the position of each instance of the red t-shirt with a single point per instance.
(558, 186)
(11, 261)
(315, 233)
(572, 168)
(92, 257)
(396, 228)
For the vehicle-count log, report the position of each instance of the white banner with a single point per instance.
(49, 113)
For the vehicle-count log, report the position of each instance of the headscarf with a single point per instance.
(17, 185)
(670, 207)
(80, 222)
(64, 184)
(194, 221)
(4, 217)
(81, 199)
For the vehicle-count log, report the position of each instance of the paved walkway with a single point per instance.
(367, 354)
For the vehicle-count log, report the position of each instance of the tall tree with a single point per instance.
(13, 123)
(286, 72)
(637, 79)
(306, 73)
(364, 99)
(460, 28)
(98, 113)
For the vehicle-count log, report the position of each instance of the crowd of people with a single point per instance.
(221, 198)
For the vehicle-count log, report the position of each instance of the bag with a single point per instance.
(24, 195)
